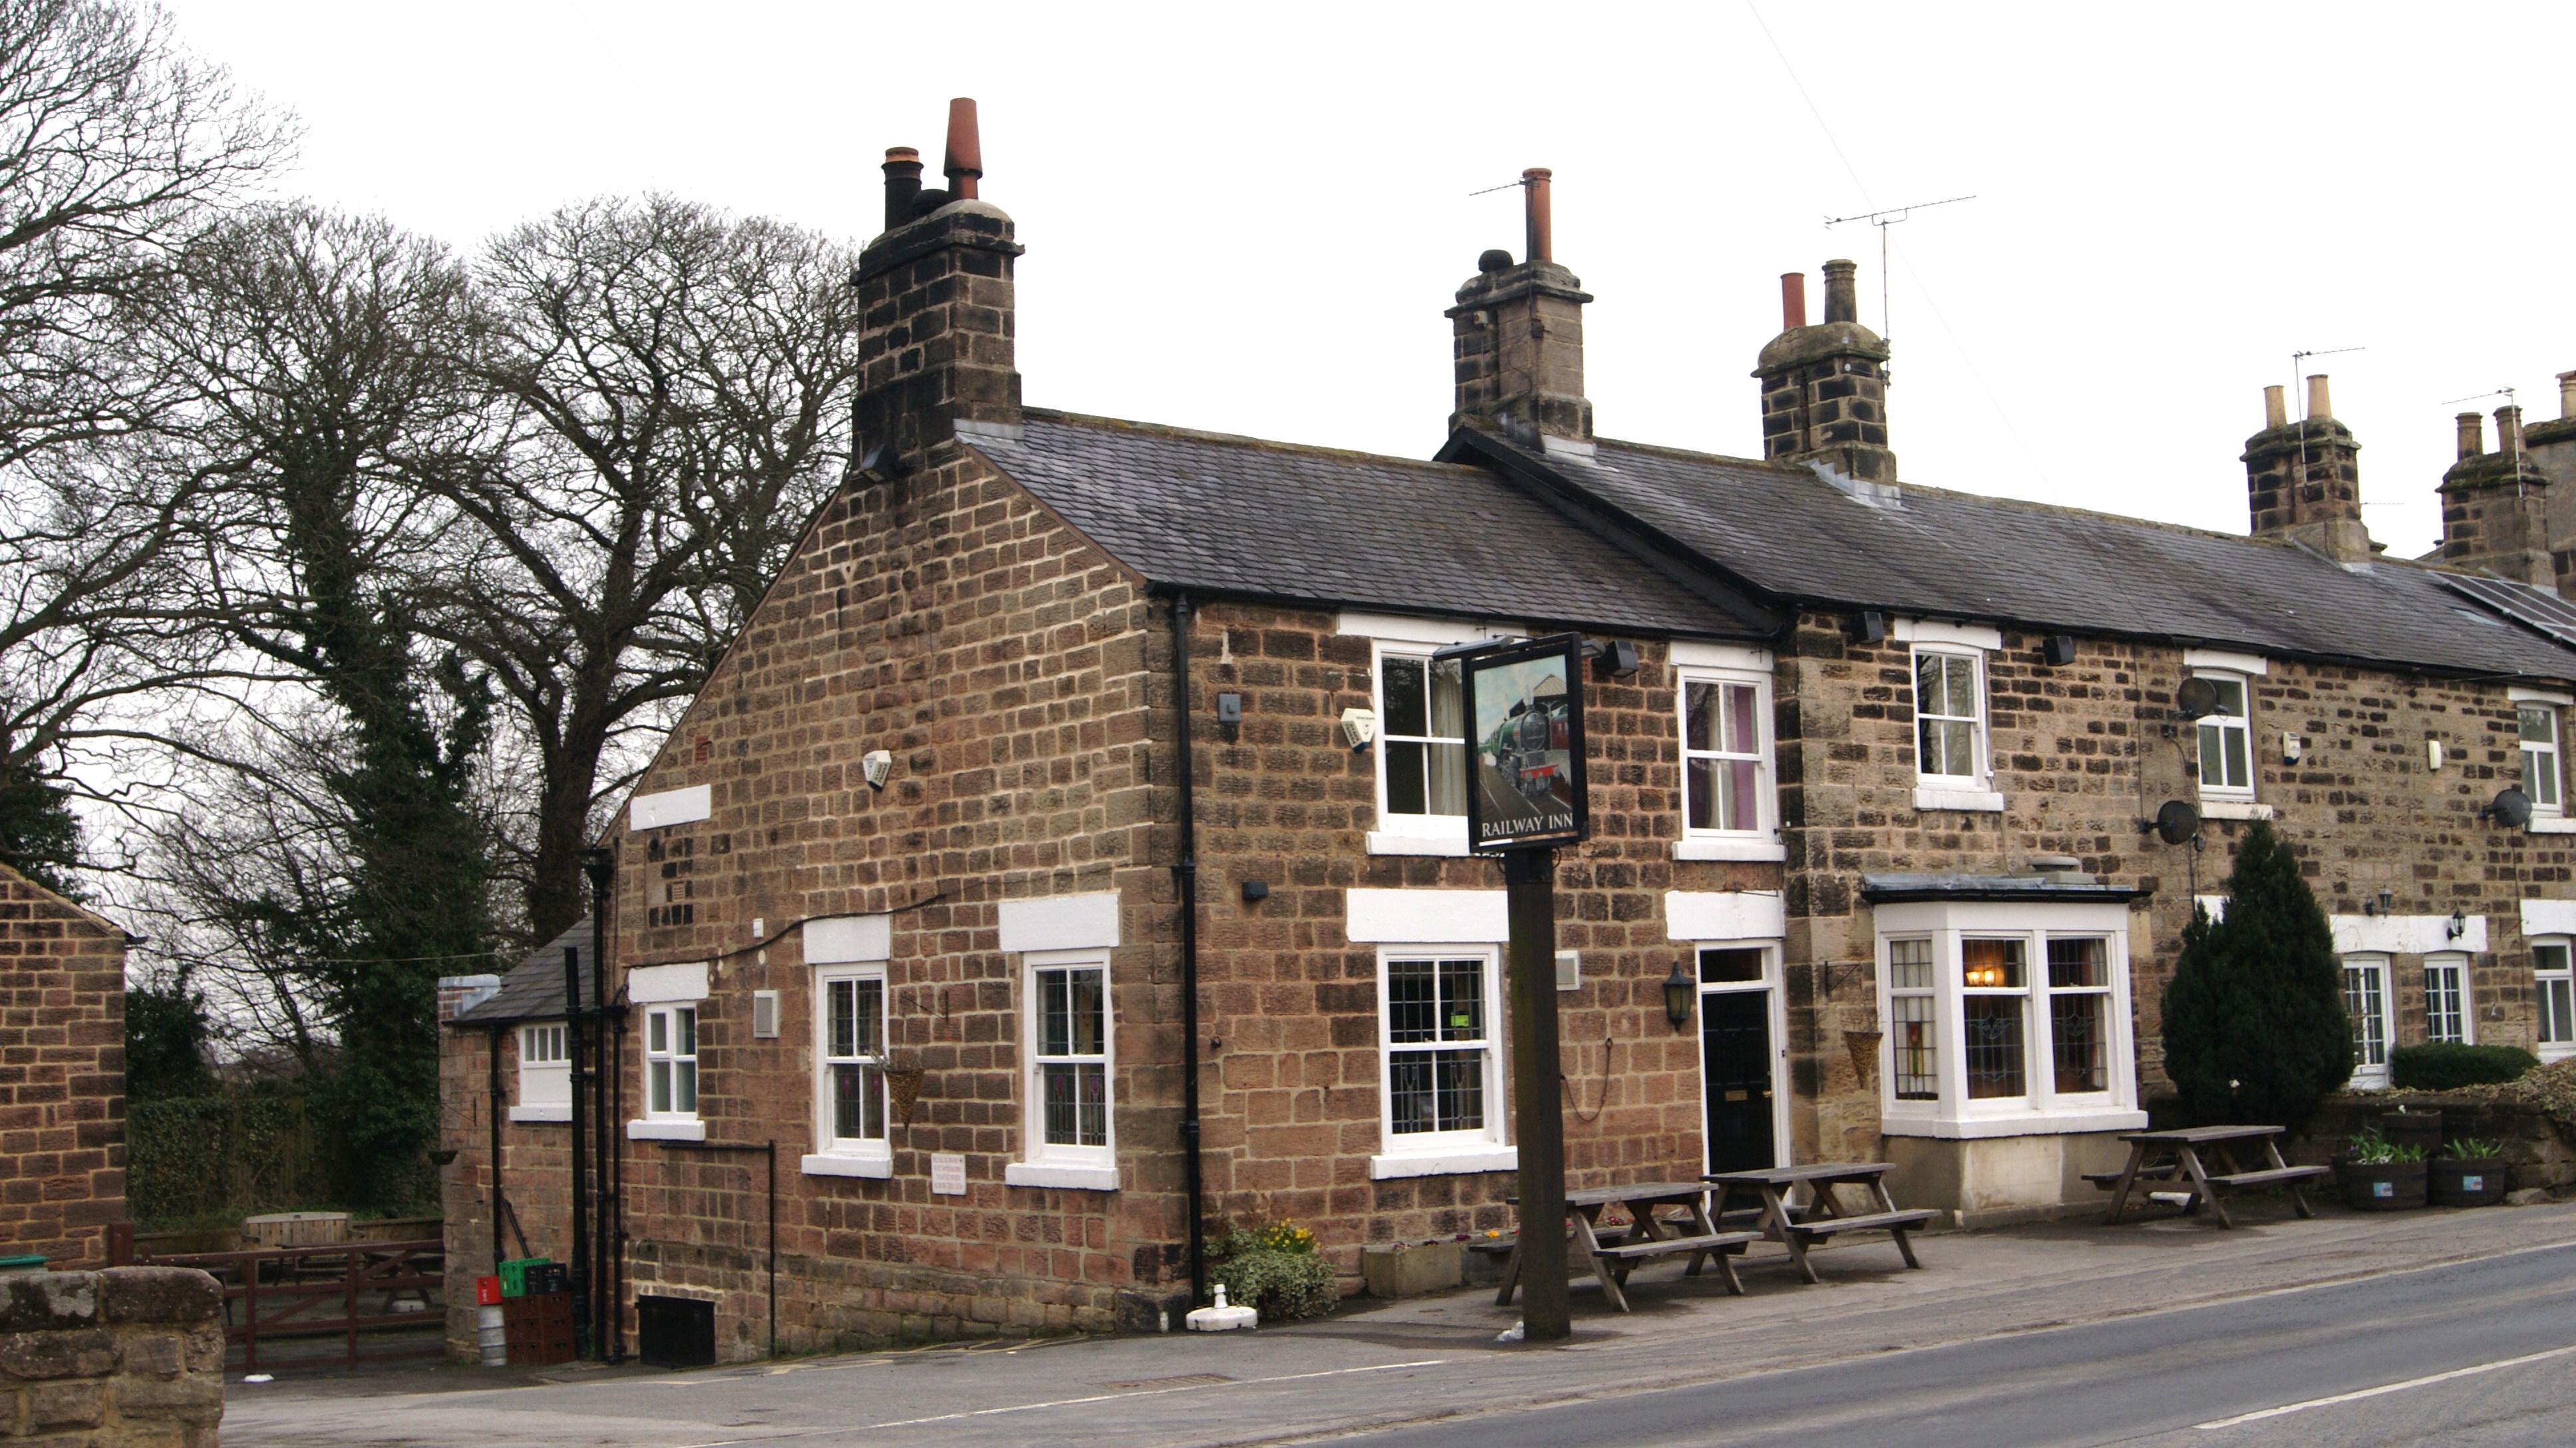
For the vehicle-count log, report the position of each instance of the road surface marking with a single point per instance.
(1067, 1403)
(2467, 1372)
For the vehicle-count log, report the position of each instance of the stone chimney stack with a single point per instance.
(1517, 336)
(936, 308)
(2495, 505)
(1824, 387)
(2303, 479)
(2550, 448)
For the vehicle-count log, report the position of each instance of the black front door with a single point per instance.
(1735, 1059)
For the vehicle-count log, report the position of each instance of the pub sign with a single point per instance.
(1523, 703)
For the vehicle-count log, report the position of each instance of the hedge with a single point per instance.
(2443, 1066)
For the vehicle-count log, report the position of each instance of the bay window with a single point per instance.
(2036, 997)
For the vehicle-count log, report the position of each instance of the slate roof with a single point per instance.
(1234, 515)
(534, 988)
(1796, 537)
(1889, 889)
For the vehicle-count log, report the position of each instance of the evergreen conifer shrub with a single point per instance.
(2254, 1023)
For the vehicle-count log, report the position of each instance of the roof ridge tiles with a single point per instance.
(1233, 439)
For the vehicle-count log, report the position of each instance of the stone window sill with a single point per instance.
(1444, 1163)
(1710, 847)
(2551, 825)
(1963, 801)
(1385, 842)
(838, 1164)
(1075, 1178)
(2234, 809)
(542, 1112)
(666, 1131)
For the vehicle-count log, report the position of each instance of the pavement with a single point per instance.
(2074, 1332)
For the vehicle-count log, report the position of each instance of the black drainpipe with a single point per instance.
(1186, 873)
(499, 1105)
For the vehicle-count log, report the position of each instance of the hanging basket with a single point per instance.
(903, 1084)
(1863, 1046)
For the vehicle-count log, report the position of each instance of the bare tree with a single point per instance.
(682, 381)
(115, 147)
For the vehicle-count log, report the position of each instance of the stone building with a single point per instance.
(1070, 848)
(62, 1076)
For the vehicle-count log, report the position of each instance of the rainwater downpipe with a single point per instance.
(499, 1105)
(1186, 876)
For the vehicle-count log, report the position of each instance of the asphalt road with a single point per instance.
(2479, 1353)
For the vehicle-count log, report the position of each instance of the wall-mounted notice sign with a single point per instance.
(947, 1174)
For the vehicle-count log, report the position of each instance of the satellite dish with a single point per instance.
(2197, 698)
(2176, 821)
(2512, 808)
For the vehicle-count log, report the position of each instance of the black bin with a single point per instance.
(675, 1332)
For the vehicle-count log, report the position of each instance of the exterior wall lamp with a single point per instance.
(2458, 925)
(2387, 901)
(1679, 987)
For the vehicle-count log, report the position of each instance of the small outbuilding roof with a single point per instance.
(533, 990)
(1889, 889)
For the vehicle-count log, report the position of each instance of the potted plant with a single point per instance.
(2468, 1173)
(2419, 1129)
(2382, 1176)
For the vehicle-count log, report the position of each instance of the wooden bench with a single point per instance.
(2273, 1177)
(2109, 1181)
(1896, 1224)
(1721, 1245)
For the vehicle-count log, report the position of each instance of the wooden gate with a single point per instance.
(345, 1290)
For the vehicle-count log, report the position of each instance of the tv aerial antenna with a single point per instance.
(2296, 358)
(2511, 444)
(1883, 220)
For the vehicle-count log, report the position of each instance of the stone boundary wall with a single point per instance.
(2536, 1151)
(132, 1357)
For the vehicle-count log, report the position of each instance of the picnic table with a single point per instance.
(2177, 1157)
(1615, 1253)
(1824, 1216)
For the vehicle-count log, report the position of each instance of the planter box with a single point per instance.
(2383, 1187)
(2461, 1183)
(1412, 1271)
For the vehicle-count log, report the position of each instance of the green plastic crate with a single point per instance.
(514, 1275)
(31, 1262)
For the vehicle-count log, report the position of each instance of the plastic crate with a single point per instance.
(514, 1275)
(29, 1262)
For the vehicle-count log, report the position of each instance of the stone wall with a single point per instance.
(2537, 1150)
(131, 1357)
(535, 1174)
(62, 1075)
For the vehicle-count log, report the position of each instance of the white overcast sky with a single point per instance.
(1248, 219)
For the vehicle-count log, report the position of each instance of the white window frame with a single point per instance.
(2463, 1002)
(1424, 833)
(1779, 1017)
(1962, 792)
(2241, 725)
(545, 1073)
(1065, 1164)
(2367, 1075)
(1439, 1153)
(669, 1016)
(2042, 1109)
(2563, 1008)
(1761, 842)
(2554, 754)
(835, 1154)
